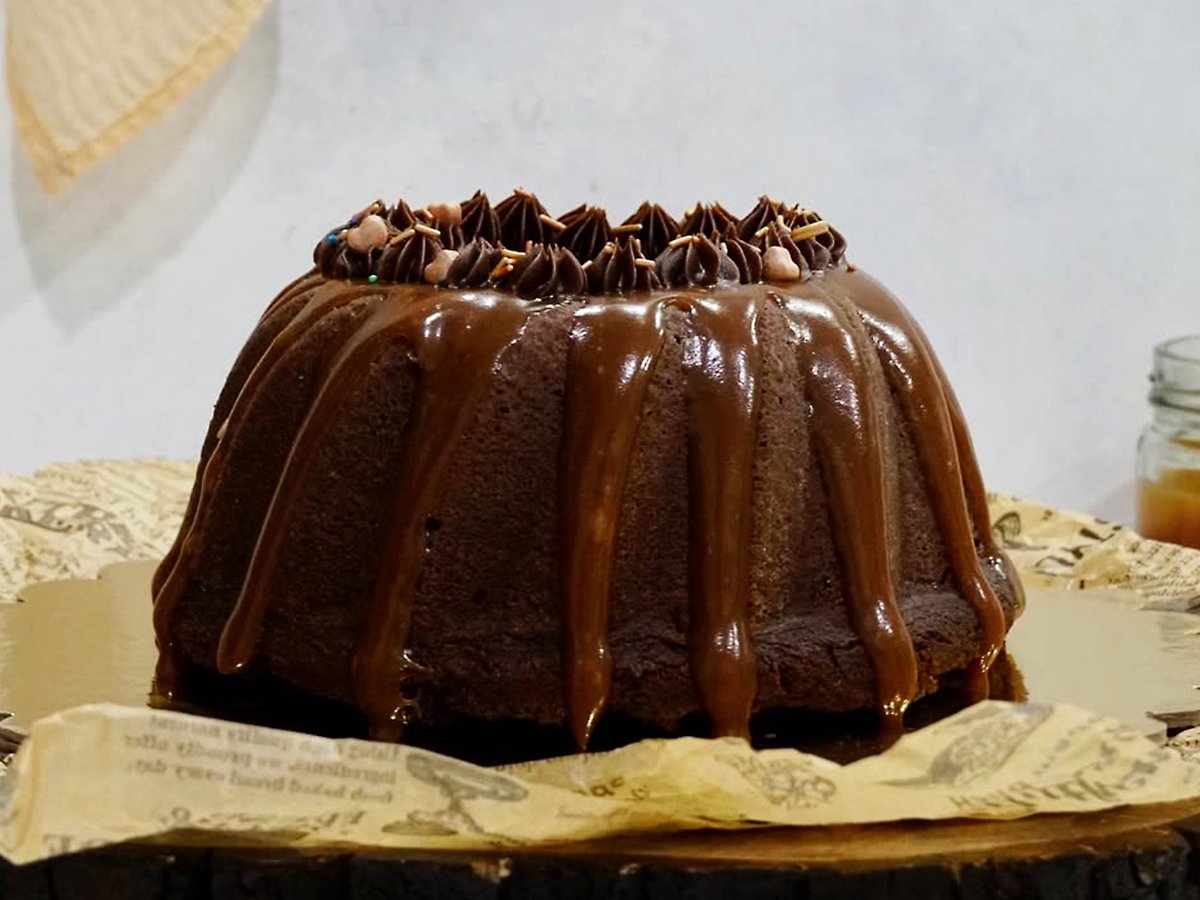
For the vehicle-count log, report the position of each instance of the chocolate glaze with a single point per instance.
(846, 429)
(456, 339)
(917, 383)
(845, 325)
(723, 360)
(614, 346)
(302, 287)
(976, 494)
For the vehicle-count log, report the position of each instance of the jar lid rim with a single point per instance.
(1170, 348)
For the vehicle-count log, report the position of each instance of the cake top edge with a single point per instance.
(517, 245)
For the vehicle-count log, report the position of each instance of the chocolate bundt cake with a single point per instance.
(483, 463)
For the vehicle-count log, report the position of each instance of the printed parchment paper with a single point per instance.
(100, 774)
(72, 520)
(1074, 551)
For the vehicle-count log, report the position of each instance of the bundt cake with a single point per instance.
(483, 463)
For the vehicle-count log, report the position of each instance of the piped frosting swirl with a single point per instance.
(407, 253)
(545, 270)
(518, 246)
(746, 256)
(586, 232)
(479, 220)
(656, 228)
(522, 220)
(473, 266)
(708, 219)
(622, 268)
(694, 260)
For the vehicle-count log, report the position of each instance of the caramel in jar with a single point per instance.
(1169, 449)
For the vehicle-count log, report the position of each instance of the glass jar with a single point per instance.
(1169, 449)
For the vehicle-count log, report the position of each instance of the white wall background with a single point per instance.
(1026, 175)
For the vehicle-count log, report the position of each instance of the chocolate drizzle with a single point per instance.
(657, 228)
(521, 222)
(586, 233)
(614, 347)
(846, 428)
(621, 268)
(723, 359)
(848, 333)
(916, 380)
(545, 271)
(694, 260)
(170, 577)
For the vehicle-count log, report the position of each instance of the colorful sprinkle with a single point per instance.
(371, 279)
(332, 238)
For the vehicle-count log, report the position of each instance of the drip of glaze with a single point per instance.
(918, 385)
(723, 360)
(171, 577)
(614, 347)
(457, 339)
(457, 349)
(846, 434)
(972, 479)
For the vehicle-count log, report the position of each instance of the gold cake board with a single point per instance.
(90, 641)
(75, 642)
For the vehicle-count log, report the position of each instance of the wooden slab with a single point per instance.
(1147, 852)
